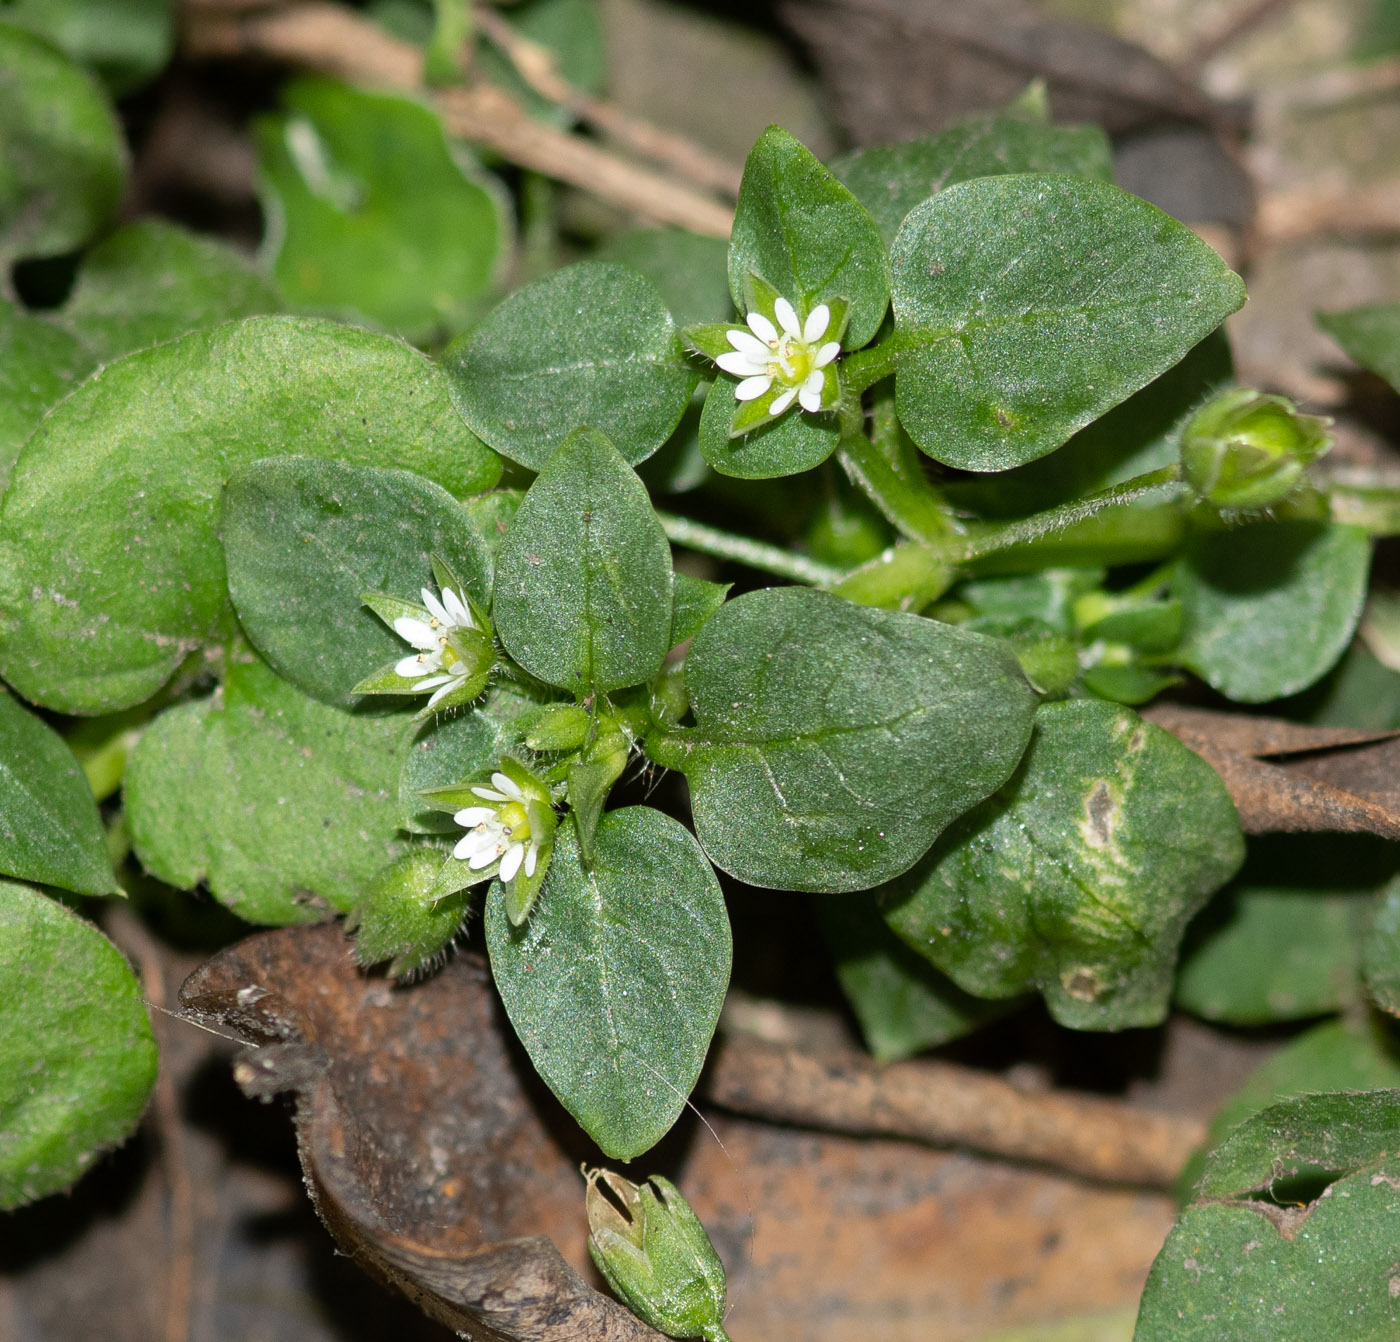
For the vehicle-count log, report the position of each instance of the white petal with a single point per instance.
(483, 839)
(751, 388)
(435, 607)
(810, 400)
(787, 318)
(489, 795)
(510, 863)
(747, 344)
(439, 695)
(463, 849)
(762, 327)
(482, 859)
(742, 365)
(532, 855)
(508, 786)
(417, 632)
(431, 683)
(461, 616)
(472, 816)
(412, 666)
(827, 353)
(815, 382)
(818, 319)
(782, 402)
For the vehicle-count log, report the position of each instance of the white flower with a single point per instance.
(791, 357)
(439, 660)
(500, 831)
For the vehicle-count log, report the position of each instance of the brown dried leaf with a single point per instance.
(901, 68)
(423, 1149)
(1333, 779)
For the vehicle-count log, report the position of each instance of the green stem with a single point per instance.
(1004, 535)
(742, 550)
(866, 367)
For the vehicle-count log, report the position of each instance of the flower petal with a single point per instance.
(435, 607)
(510, 863)
(751, 388)
(412, 666)
(440, 694)
(762, 327)
(489, 794)
(460, 615)
(818, 319)
(482, 859)
(748, 344)
(787, 318)
(781, 403)
(431, 683)
(742, 365)
(463, 849)
(472, 816)
(417, 632)
(810, 401)
(532, 856)
(827, 353)
(508, 786)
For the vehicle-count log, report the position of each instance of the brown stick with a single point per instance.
(537, 66)
(332, 39)
(947, 1105)
(1237, 28)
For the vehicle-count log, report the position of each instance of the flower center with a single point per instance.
(793, 360)
(514, 822)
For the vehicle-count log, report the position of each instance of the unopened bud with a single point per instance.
(655, 1254)
(1247, 449)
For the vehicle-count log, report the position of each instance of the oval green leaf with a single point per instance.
(284, 806)
(797, 227)
(1078, 878)
(1027, 306)
(374, 213)
(49, 827)
(583, 578)
(1269, 608)
(305, 538)
(592, 344)
(126, 42)
(62, 155)
(77, 1056)
(615, 983)
(133, 580)
(39, 365)
(834, 742)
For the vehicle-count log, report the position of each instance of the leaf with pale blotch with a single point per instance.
(1078, 878)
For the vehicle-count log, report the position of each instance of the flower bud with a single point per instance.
(655, 1255)
(1246, 449)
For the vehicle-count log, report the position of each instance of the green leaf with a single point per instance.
(1078, 878)
(284, 806)
(1270, 607)
(1370, 335)
(1380, 950)
(592, 344)
(126, 42)
(804, 233)
(77, 1056)
(904, 1005)
(890, 180)
(1242, 1268)
(150, 282)
(49, 828)
(1336, 1055)
(687, 269)
(1027, 306)
(615, 983)
(695, 601)
(1282, 942)
(583, 580)
(796, 441)
(449, 750)
(376, 213)
(62, 156)
(304, 538)
(398, 920)
(834, 742)
(39, 365)
(133, 580)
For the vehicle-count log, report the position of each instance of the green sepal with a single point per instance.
(399, 920)
(590, 781)
(559, 727)
(760, 296)
(391, 608)
(712, 339)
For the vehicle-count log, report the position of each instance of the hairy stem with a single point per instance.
(742, 550)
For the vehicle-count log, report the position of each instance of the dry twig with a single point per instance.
(332, 39)
(947, 1105)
